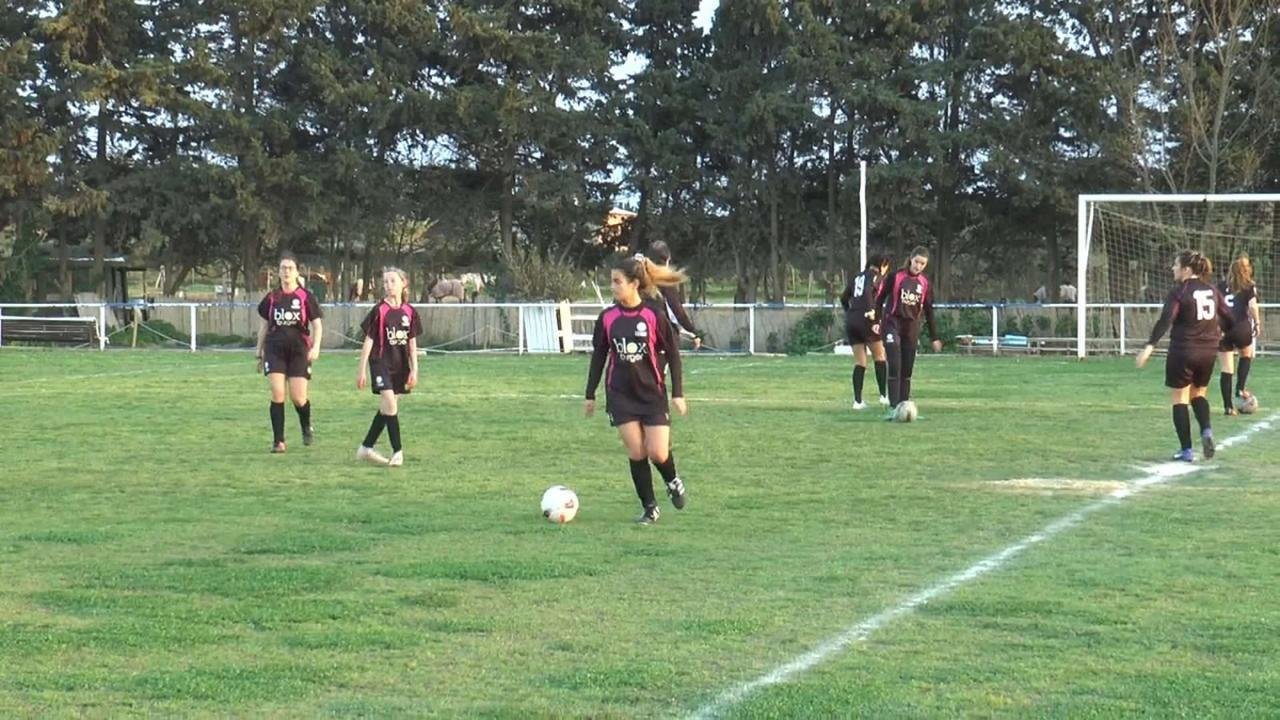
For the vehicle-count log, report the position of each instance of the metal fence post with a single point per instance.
(995, 330)
(1122, 330)
(751, 330)
(193, 328)
(102, 327)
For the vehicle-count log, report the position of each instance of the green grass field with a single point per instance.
(155, 560)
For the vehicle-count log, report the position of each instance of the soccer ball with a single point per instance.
(905, 412)
(1247, 404)
(559, 504)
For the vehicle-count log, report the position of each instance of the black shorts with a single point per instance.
(857, 328)
(1240, 337)
(383, 378)
(647, 420)
(288, 357)
(1189, 366)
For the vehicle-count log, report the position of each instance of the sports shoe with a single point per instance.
(1231, 411)
(397, 459)
(277, 448)
(891, 414)
(308, 436)
(1184, 456)
(371, 456)
(884, 400)
(649, 516)
(675, 489)
(859, 405)
(1206, 443)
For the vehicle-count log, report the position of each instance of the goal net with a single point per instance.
(1128, 243)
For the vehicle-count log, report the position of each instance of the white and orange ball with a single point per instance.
(559, 504)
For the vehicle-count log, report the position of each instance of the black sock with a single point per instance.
(642, 477)
(375, 429)
(859, 374)
(1182, 424)
(277, 421)
(667, 468)
(1242, 373)
(304, 416)
(1200, 406)
(1224, 384)
(906, 389)
(881, 371)
(393, 431)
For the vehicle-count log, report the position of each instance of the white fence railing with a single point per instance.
(550, 327)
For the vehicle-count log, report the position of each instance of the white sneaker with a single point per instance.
(371, 456)
(884, 400)
(859, 406)
(397, 459)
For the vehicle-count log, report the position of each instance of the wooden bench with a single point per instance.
(60, 330)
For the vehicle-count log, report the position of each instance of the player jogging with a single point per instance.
(629, 335)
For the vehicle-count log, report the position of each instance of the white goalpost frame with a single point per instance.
(1084, 228)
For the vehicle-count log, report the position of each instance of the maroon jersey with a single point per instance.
(289, 314)
(1198, 314)
(391, 328)
(859, 297)
(903, 301)
(630, 340)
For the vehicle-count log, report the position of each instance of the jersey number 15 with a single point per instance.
(1205, 306)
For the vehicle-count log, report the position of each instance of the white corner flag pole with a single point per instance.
(862, 207)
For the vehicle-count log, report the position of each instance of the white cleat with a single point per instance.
(859, 406)
(371, 456)
(397, 459)
(884, 400)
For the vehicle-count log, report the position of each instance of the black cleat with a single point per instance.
(675, 489)
(308, 436)
(1206, 442)
(649, 516)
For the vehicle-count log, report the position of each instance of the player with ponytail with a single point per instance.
(1242, 297)
(390, 352)
(1198, 315)
(629, 337)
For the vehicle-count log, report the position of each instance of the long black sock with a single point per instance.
(1242, 373)
(1224, 384)
(906, 388)
(304, 416)
(859, 375)
(642, 478)
(393, 431)
(277, 421)
(1182, 424)
(1200, 406)
(667, 468)
(375, 429)
(881, 371)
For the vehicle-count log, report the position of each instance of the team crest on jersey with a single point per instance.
(296, 303)
(630, 351)
(642, 329)
(404, 320)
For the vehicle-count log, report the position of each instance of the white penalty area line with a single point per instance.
(1156, 475)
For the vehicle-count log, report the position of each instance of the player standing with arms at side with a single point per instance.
(858, 301)
(905, 298)
(1242, 297)
(390, 352)
(288, 342)
(1198, 314)
(629, 335)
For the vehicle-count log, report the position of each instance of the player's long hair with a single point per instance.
(404, 278)
(648, 274)
(879, 261)
(1198, 263)
(1240, 276)
(918, 250)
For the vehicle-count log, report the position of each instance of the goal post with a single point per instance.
(1125, 243)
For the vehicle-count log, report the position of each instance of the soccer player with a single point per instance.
(288, 342)
(904, 299)
(1242, 297)
(674, 298)
(858, 301)
(629, 335)
(1198, 315)
(390, 352)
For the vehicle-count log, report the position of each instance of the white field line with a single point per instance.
(860, 631)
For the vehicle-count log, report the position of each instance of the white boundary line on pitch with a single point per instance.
(1156, 475)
